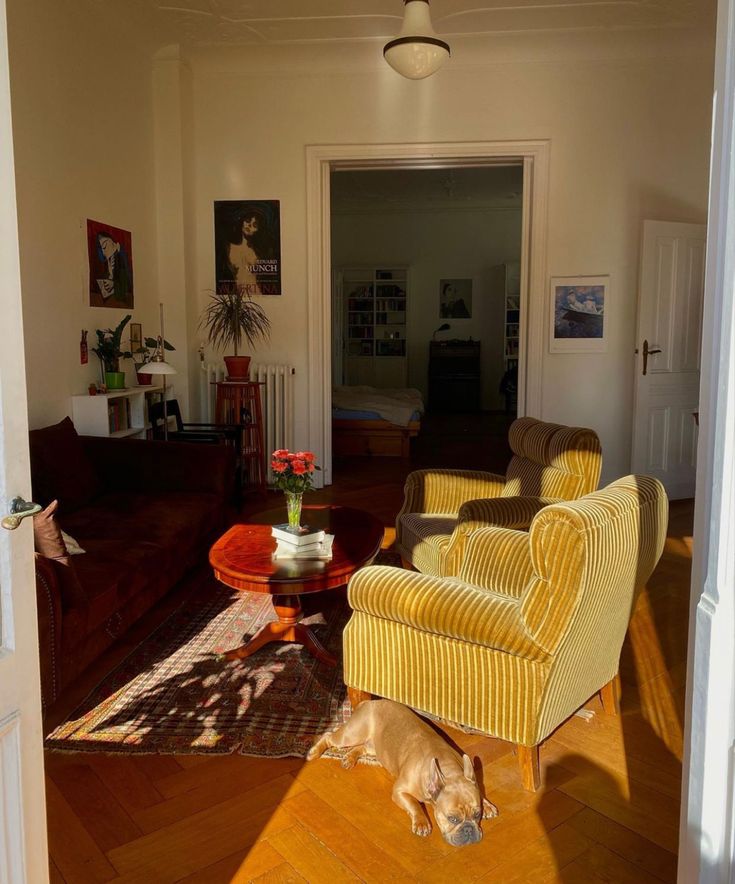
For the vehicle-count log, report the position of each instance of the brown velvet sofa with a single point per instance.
(145, 513)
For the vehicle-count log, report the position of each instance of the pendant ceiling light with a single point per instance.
(416, 52)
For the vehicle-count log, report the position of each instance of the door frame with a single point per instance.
(707, 825)
(322, 159)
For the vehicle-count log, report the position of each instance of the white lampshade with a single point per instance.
(416, 52)
(155, 367)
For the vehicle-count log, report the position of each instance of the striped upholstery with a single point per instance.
(528, 631)
(441, 508)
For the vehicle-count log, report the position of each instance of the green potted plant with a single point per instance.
(110, 352)
(230, 318)
(143, 355)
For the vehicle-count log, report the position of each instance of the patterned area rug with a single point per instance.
(174, 695)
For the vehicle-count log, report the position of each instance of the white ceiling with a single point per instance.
(278, 22)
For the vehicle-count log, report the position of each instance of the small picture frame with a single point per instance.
(455, 299)
(136, 336)
(579, 314)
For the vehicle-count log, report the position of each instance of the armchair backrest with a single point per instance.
(550, 460)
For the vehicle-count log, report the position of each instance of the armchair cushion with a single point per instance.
(445, 607)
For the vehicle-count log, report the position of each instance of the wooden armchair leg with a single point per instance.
(529, 764)
(356, 696)
(610, 696)
(406, 565)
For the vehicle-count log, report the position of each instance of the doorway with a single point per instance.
(322, 161)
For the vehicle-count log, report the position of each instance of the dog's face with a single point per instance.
(457, 805)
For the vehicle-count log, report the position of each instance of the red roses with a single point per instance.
(293, 471)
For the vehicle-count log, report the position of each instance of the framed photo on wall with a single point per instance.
(455, 298)
(247, 245)
(579, 314)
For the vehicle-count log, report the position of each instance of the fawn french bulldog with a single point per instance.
(425, 767)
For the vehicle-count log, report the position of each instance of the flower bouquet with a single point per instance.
(293, 474)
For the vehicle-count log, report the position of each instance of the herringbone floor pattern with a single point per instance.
(608, 810)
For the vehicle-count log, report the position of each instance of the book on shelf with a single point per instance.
(301, 536)
(319, 552)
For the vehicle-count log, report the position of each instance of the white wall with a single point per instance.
(629, 140)
(83, 135)
(435, 245)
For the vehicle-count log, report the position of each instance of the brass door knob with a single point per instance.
(19, 509)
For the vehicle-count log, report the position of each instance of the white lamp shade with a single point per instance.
(159, 368)
(416, 52)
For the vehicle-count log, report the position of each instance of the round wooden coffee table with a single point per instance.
(243, 559)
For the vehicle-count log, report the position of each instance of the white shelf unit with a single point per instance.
(375, 325)
(99, 415)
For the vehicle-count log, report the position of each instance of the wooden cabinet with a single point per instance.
(454, 376)
(375, 310)
(119, 413)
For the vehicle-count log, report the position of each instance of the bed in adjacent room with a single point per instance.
(372, 421)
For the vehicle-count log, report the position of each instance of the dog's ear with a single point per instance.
(436, 781)
(469, 770)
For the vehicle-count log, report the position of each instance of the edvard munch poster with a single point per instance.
(247, 243)
(110, 253)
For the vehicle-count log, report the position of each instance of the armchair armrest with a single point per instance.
(444, 491)
(444, 607)
(143, 465)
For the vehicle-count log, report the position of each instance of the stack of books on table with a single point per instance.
(302, 543)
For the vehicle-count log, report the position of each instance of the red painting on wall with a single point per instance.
(110, 251)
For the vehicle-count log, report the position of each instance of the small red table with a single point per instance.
(243, 559)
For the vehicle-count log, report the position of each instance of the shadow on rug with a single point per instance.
(174, 695)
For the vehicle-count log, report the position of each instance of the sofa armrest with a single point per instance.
(145, 465)
(444, 491)
(444, 607)
(48, 605)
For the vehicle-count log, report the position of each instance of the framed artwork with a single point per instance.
(110, 254)
(579, 314)
(247, 246)
(455, 298)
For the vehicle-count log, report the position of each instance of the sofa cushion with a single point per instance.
(61, 468)
(49, 543)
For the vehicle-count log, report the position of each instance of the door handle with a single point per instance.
(19, 509)
(648, 351)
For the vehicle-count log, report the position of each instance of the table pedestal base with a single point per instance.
(286, 629)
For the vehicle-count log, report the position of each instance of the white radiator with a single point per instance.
(276, 399)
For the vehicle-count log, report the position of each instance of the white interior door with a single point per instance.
(23, 852)
(338, 329)
(668, 354)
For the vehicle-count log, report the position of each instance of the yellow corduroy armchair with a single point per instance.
(530, 629)
(441, 508)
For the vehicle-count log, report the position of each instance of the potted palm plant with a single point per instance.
(232, 317)
(110, 352)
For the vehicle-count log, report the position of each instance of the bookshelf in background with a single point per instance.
(118, 414)
(375, 325)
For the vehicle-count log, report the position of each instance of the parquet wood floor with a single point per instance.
(608, 809)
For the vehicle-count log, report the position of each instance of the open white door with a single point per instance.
(668, 354)
(23, 851)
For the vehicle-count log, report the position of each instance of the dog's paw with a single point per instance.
(489, 810)
(422, 828)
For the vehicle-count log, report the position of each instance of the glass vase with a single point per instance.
(293, 508)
